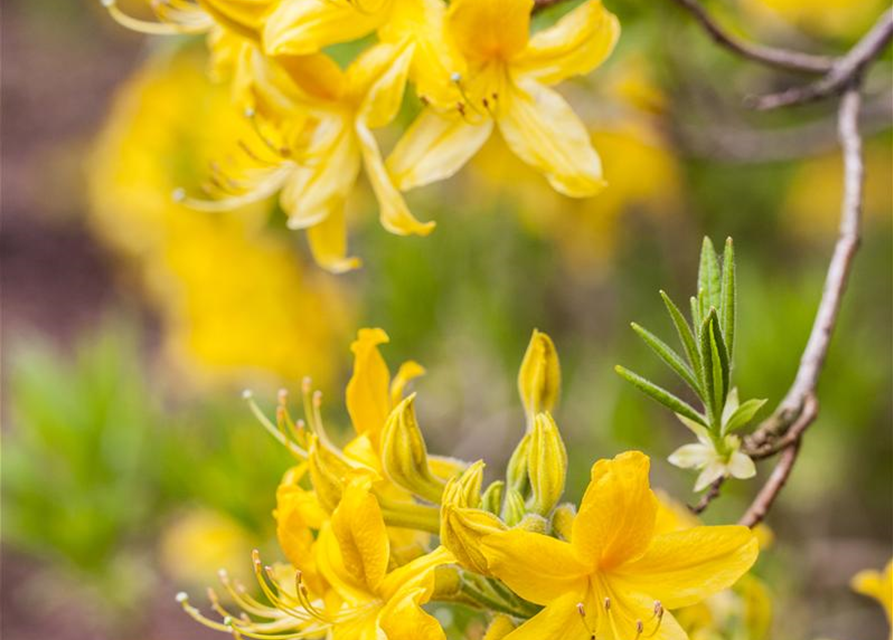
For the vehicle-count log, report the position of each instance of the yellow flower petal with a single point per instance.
(362, 538)
(618, 511)
(575, 45)
(403, 618)
(684, 567)
(376, 81)
(407, 372)
(317, 75)
(312, 190)
(416, 574)
(299, 27)
(536, 567)
(434, 148)
(328, 242)
(499, 628)
(245, 17)
(367, 391)
(560, 620)
(490, 29)
(541, 129)
(394, 214)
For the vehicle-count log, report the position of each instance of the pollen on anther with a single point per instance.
(607, 604)
(178, 194)
(107, 3)
(247, 394)
(455, 76)
(182, 597)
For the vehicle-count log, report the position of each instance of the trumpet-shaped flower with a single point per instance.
(354, 556)
(503, 75)
(316, 166)
(617, 578)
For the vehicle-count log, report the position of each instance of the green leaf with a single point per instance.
(729, 297)
(670, 357)
(708, 277)
(695, 315)
(722, 352)
(661, 395)
(685, 333)
(742, 415)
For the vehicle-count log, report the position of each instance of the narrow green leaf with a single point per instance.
(708, 276)
(708, 378)
(722, 353)
(661, 395)
(729, 297)
(742, 415)
(695, 314)
(670, 357)
(685, 333)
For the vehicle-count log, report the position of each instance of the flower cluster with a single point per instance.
(473, 64)
(377, 528)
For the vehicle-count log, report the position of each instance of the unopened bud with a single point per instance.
(404, 455)
(462, 524)
(563, 520)
(533, 523)
(492, 499)
(514, 510)
(547, 464)
(539, 380)
(516, 476)
(327, 472)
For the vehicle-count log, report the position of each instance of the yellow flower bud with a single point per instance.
(404, 455)
(516, 473)
(533, 523)
(539, 380)
(492, 499)
(563, 520)
(546, 464)
(327, 472)
(462, 526)
(514, 509)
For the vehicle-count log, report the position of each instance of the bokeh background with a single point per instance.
(131, 469)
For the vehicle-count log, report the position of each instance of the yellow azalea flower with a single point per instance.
(504, 77)
(315, 167)
(221, 285)
(378, 601)
(304, 27)
(877, 585)
(615, 578)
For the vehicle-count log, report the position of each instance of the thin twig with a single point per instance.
(711, 495)
(761, 504)
(842, 73)
(802, 392)
(835, 282)
(770, 56)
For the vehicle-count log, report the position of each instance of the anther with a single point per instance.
(582, 611)
(182, 597)
(247, 394)
(607, 604)
(178, 194)
(456, 77)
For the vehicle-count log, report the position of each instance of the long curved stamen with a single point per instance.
(164, 28)
(272, 429)
(582, 611)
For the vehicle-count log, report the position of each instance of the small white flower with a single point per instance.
(713, 465)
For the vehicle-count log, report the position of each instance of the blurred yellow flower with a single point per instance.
(199, 542)
(879, 586)
(233, 298)
(830, 18)
(504, 78)
(813, 201)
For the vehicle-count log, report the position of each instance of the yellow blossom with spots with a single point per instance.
(615, 578)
